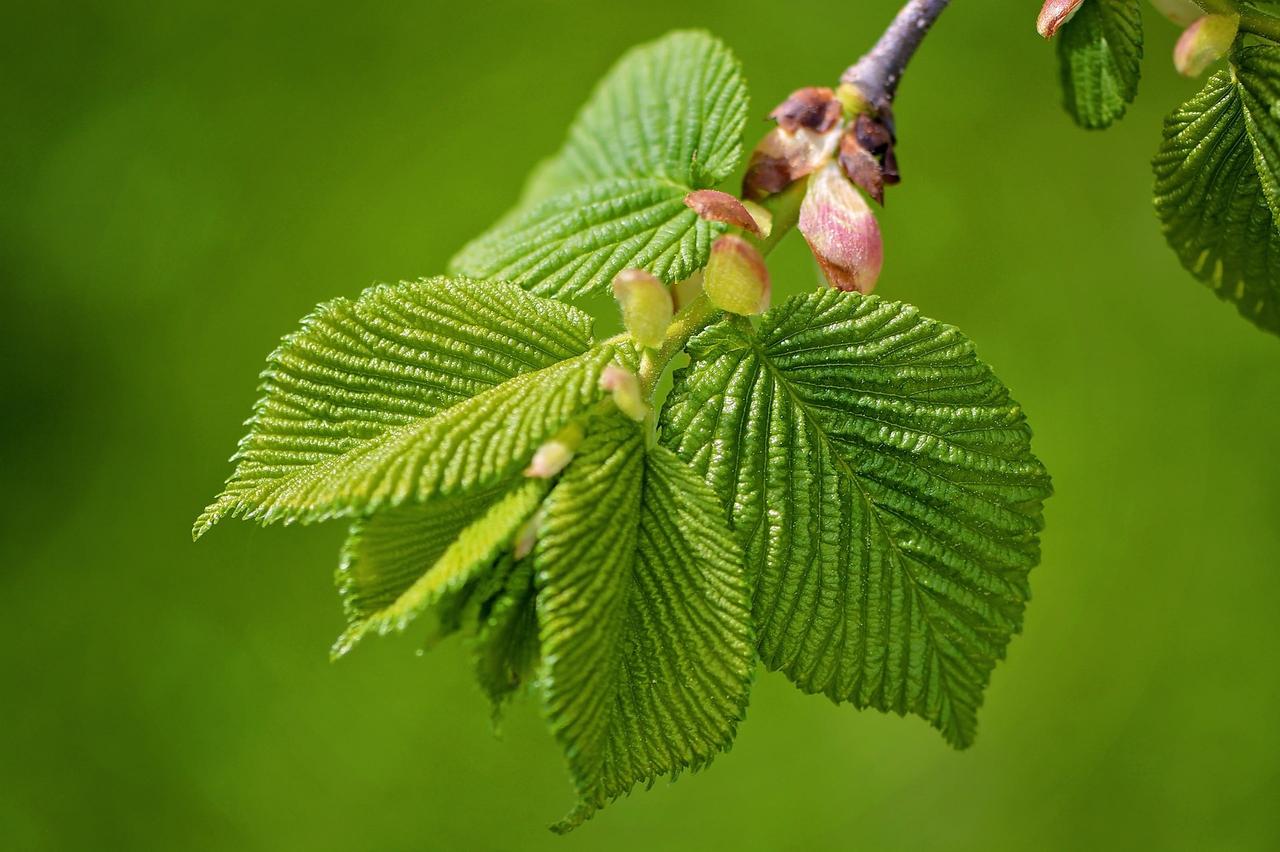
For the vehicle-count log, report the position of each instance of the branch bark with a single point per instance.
(877, 74)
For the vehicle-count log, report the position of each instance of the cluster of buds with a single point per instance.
(841, 147)
(1205, 39)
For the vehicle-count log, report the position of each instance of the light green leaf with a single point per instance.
(1100, 57)
(674, 108)
(666, 120)
(506, 648)
(643, 617)
(881, 482)
(1257, 72)
(411, 391)
(398, 563)
(1212, 206)
(577, 242)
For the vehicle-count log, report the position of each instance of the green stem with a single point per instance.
(1251, 21)
(653, 363)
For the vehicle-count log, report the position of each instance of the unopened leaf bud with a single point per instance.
(1204, 42)
(841, 231)
(646, 306)
(527, 535)
(1054, 14)
(555, 454)
(736, 279)
(1184, 13)
(625, 388)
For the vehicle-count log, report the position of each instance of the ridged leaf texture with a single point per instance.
(1257, 71)
(507, 652)
(400, 562)
(666, 120)
(882, 485)
(1212, 204)
(1100, 57)
(643, 616)
(411, 391)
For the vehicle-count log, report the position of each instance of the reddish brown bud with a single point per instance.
(873, 134)
(736, 279)
(717, 206)
(783, 157)
(815, 107)
(1054, 14)
(841, 231)
(861, 167)
(1204, 43)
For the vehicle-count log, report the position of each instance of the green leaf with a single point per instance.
(881, 482)
(1212, 205)
(578, 241)
(411, 391)
(506, 649)
(1100, 57)
(1257, 72)
(397, 564)
(643, 615)
(667, 120)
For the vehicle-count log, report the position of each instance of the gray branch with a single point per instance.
(877, 74)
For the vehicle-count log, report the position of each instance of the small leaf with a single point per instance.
(881, 483)
(642, 606)
(411, 391)
(506, 650)
(446, 539)
(1212, 205)
(667, 120)
(1257, 71)
(1100, 55)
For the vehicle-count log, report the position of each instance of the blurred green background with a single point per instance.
(179, 183)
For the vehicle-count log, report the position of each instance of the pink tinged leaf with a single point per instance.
(815, 107)
(783, 157)
(1203, 43)
(717, 206)
(1054, 14)
(841, 231)
(1182, 12)
(736, 278)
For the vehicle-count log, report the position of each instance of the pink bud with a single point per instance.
(1204, 43)
(625, 387)
(1054, 14)
(784, 156)
(736, 279)
(841, 231)
(555, 454)
(1182, 12)
(646, 306)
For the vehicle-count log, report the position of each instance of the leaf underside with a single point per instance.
(881, 483)
(644, 620)
(400, 562)
(666, 120)
(1100, 57)
(1212, 203)
(411, 391)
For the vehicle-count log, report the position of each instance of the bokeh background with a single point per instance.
(180, 183)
